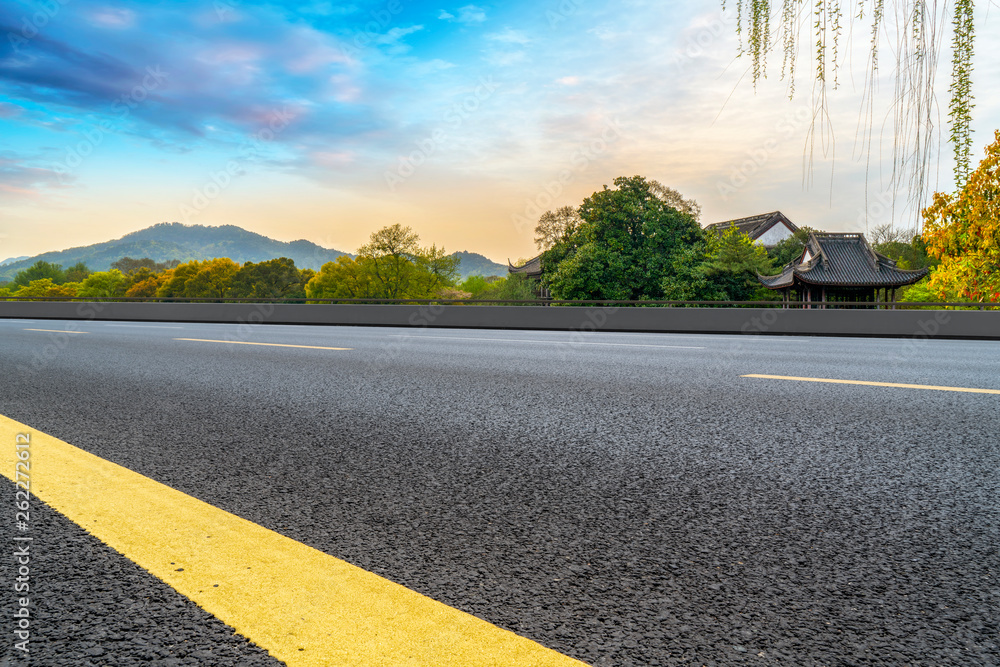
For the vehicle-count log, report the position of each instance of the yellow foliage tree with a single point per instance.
(963, 231)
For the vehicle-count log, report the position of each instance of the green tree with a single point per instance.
(515, 287)
(104, 284)
(128, 265)
(474, 285)
(77, 272)
(39, 271)
(790, 249)
(345, 278)
(435, 271)
(909, 253)
(45, 287)
(273, 279)
(733, 263)
(391, 253)
(624, 248)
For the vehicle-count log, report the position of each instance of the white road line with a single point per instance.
(142, 326)
(550, 342)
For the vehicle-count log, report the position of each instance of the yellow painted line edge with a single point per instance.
(875, 384)
(305, 607)
(58, 331)
(243, 342)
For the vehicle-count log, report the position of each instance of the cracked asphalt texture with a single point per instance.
(622, 498)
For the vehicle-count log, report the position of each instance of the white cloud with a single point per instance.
(509, 36)
(568, 80)
(444, 15)
(393, 39)
(431, 67)
(471, 14)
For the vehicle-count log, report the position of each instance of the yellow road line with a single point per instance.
(876, 384)
(57, 331)
(242, 342)
(305, 607)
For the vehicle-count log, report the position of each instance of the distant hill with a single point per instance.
(474, 264)
(172, 240)
(11, 260)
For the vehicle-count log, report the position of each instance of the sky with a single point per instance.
(329, 120)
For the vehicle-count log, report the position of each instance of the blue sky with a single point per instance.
(329, 120)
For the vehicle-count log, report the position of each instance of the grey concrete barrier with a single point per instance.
(887, 323)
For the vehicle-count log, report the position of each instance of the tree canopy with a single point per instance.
(392, 265)
(624, 246)
(963, 232)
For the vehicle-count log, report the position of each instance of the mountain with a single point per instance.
(11, 260)
(474, 264)
(172, 240)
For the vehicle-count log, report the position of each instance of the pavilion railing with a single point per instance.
(808, 305)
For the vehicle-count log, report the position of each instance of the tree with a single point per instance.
(77, 272)
(515, 287)
(273, 279)
(790, 249)
(553, 226)
(918, 30)
(722, 268)
(391, 252)
(143, 288)
(45, 287)
(435, 271)
(174, 281)
(208, 279)
(909, 253)
(128, 265)
(104, 284)
(625, 246)
(675, 199)
(474, 285)
(39, 271)
(344, 278)
(213, 279)
(963, 231)
(733, 263)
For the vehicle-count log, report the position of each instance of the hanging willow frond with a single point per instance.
(917, 26)
(960, 107)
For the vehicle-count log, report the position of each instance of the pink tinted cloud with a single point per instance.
(331, 159)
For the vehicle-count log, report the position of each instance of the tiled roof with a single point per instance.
(844, 260)
(533, 267)
(755, 225)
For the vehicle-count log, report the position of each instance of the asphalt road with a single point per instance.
(625, 499)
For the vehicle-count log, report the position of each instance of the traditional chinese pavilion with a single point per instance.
(840, 267)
